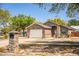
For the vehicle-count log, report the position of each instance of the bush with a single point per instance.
(2, 49)
(1, 37)
(5, 36)
(23, 46)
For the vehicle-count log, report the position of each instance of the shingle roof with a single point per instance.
(46, 26)
(40, 24)
(68, 27)
(43, 25)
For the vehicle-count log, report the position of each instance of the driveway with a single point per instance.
(5, 42)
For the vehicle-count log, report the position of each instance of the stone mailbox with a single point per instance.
(13, 41)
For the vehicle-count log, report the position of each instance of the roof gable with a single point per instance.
(41, 25)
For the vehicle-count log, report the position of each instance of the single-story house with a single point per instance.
(47, 30)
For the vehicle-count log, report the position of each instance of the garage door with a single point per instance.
(36, 33)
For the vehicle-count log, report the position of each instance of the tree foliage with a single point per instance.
(20, 22)
(58, 21)
(4, 16)
(73, 22)
(71, 8)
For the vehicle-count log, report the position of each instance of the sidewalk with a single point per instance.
(4, 43)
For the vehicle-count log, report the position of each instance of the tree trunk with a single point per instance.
(23, 33)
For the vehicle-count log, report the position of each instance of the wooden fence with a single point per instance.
(74, 34)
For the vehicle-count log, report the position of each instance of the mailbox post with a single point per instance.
(13, 41)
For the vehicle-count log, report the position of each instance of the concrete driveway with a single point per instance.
(5, 42)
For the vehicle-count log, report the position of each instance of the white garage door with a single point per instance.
(36, 33)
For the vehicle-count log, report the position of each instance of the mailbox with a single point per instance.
(13, 40)
(11, 35)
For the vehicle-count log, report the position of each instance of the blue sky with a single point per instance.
(33, 10)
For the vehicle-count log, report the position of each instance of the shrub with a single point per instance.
(23, 46)
(1, 37)
(5, 36)
(2, 49)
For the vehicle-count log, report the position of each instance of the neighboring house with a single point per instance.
(49, 30)
(76, 28)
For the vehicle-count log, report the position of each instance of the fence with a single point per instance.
(74, 34)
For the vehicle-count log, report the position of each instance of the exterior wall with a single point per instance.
(47, 33)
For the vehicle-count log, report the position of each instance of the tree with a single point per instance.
(4, 16)
(20, 22)
(73, 22)
(71, 8)
(58, 21)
